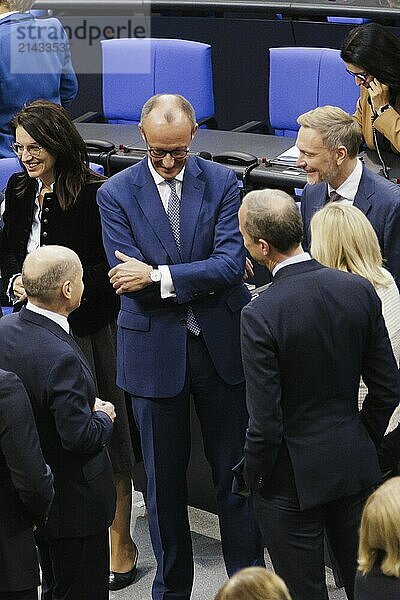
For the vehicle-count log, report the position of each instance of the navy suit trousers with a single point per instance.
(164, 425)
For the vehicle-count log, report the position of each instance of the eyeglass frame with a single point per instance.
(150, 149)
(18, 149)
(363, 76)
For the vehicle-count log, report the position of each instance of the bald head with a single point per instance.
(47, 273)
(168, 109)
(273, 216)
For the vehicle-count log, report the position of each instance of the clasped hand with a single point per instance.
(131, 275)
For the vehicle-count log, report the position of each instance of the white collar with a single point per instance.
(348, 189)
(49, 314)
(158, 178)
(8, 14)
(292, 260)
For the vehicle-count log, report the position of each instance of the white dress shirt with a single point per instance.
(349, 188)
(49, 314)
(166, 285)
(298, 258)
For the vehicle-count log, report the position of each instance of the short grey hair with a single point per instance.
(45, 286)
(273, 215)
(178, 104)
(337, 128)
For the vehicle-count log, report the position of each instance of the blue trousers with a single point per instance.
(164, 426)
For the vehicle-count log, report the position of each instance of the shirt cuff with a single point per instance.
(9, 291)
(166, 285)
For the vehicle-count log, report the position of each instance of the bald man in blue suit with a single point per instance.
(171, 234)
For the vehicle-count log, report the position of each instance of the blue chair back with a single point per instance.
(301, 79)
(136, 69)
(8, 166)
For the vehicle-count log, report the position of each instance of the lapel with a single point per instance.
(318, 196)
(149, 200)
(55, 329)
(366, 189)
(191, 203)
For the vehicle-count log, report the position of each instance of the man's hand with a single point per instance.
(248, 270)
(18, 289)
(106, 407)
(379, 94)
(131, 275)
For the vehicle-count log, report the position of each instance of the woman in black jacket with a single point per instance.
(53, 201)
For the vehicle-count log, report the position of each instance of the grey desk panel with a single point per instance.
(215, 142)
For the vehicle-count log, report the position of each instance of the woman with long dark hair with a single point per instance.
(371, 54)
(53, 201)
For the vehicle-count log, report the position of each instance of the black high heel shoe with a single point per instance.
(118, 581)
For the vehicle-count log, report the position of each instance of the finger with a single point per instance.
(122, 256)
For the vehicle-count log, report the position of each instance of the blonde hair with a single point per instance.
(343, 238)
(254, 583)
(336, 127)
(380, 530)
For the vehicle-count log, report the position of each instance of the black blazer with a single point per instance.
(26, 487)
(305, 341)
(73, 438)
(78, 228)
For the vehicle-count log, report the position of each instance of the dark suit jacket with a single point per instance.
(78, 228)
(375, 585)
(26, 487)
(27, 73)
(73, 438)
(379, 200)
(305, 341)
(208, 273)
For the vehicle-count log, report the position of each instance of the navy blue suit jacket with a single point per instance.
(26, 487)
(306, 340)
(379, 200)
(208, 273)
(61, 389)
(35, 63)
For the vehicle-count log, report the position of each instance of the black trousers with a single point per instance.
(23, 595)
(295, 541)
(75, 568)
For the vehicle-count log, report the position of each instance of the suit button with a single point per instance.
(44, 234)
(46, 209)
(45, 221)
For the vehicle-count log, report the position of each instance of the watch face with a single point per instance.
(155, 275)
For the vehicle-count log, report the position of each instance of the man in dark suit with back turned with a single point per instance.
(310, 456)
(26, 491)
(180, 276)
(329, 140)
(73, 425)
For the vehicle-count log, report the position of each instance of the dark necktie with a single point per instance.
(173, 215)
(335, 197)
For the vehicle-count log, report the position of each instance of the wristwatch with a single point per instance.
(155, 275)
(382, 109)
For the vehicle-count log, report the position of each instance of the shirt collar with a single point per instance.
(348, 189)
(291, 261)
(49, 314)
(158, 178)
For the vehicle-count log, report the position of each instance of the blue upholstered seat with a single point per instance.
(136, 69)
(301, 79)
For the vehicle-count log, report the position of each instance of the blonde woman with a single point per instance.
(254, 583)
(343, 238)
(378, 575)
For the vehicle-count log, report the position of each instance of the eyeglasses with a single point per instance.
(363, 76)
(178, 153)
(33, 149)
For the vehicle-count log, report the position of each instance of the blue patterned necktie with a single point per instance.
(173, 215)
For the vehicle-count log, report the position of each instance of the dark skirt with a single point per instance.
(100, 350)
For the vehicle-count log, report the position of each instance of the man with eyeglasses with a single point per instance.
(170, 229)
(35, 63)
